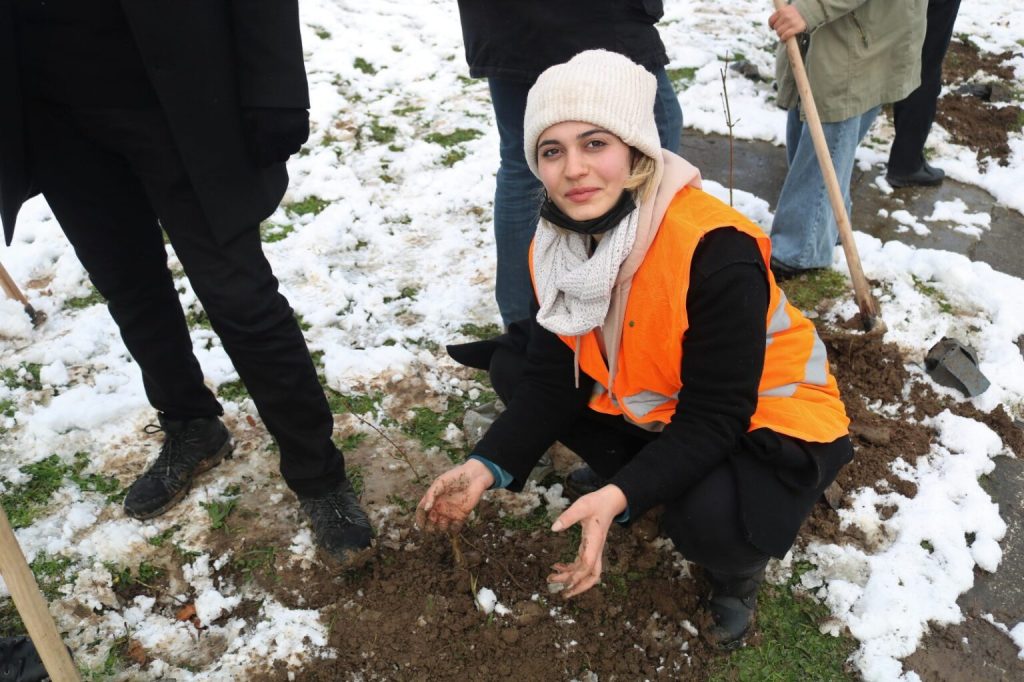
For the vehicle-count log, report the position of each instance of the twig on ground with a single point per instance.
(499, 563)
(402, 455)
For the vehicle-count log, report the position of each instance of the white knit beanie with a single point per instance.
(599, 87)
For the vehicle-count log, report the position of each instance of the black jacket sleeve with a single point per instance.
(545, 402)
(723, 357)
(268, 54)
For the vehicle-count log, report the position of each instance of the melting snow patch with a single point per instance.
(955, 211)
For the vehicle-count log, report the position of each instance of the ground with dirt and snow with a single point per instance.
(383, 246)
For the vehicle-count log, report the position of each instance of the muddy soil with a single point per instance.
(977, 111)
(409, 611)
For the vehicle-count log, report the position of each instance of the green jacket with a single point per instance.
(861, 53)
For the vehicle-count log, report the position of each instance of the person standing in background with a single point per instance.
(859, 55)
(510, 42)
(913, 116)
(134, 119)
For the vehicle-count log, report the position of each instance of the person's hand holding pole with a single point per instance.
(595, 513)
(787, 22)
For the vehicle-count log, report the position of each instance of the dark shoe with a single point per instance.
(925, 176)
(191, 446)
(732, 605)
(583, 481)
(19, 661)
(340, 525)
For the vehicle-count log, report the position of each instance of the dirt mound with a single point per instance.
(975, 111)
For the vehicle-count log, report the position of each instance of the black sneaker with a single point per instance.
(191, 446)
(733, 604)
(340, 525)
(583, 481)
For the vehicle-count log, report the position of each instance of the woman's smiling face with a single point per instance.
(583, 167)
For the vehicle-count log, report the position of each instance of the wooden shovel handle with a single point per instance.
(862, 292)
(32, 607)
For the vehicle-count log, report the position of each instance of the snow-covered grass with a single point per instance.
(383, 246)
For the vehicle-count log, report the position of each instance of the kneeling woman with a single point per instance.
(662, 352)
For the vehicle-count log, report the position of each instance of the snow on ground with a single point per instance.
(401, 160)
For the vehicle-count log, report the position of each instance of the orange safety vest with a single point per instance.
(797, 395)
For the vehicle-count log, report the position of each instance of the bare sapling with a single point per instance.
(729, 123)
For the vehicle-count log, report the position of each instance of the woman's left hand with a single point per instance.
(595, 513)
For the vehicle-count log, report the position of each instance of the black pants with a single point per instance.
(913, 115)
(113, 178)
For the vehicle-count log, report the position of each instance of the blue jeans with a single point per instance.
(804, 231)
(518, 194)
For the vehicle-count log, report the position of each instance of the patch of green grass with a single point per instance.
(255, 561)
(382, 134)
(458, 136)
(322, 33)
(931, 292)
(232, 391)
(196, 317)
(97, 483)
(219, 511)
(50, 573)
(356, 477)
(535, 520)
(161, 538)
(405, 111)
(115, 662)
(404, 506)
(351, 441)
(792, 647)
(452, 157)
(25, 375)
(809, 289)
(406, 292)
(364, 66)
(272, 232)
(92, 298)
(24, 502)
(311, 204)
(683, 76)
(354, 403)
(480, 331)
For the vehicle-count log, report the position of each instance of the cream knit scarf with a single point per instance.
(574, 288)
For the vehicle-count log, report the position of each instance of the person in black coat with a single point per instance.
(135, 118)
(510, 42)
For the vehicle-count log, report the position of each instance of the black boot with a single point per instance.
(732, 605)
(19, 661)
(583, 481)
(340, 525)
(191, 446)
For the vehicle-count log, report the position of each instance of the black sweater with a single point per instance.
(723, 352)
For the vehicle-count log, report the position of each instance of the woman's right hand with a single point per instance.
(452, 496)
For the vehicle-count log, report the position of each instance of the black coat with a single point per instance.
(206, 60)
(518, 39)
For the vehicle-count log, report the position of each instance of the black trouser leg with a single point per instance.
(705, 526)
(913, 115)
(238, 290)
(104, 211)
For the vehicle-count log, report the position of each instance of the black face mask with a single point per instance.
(554, 215)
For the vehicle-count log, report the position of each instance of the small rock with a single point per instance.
(510, 635)
(747, 70)
(876, 435)
(834, 495)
